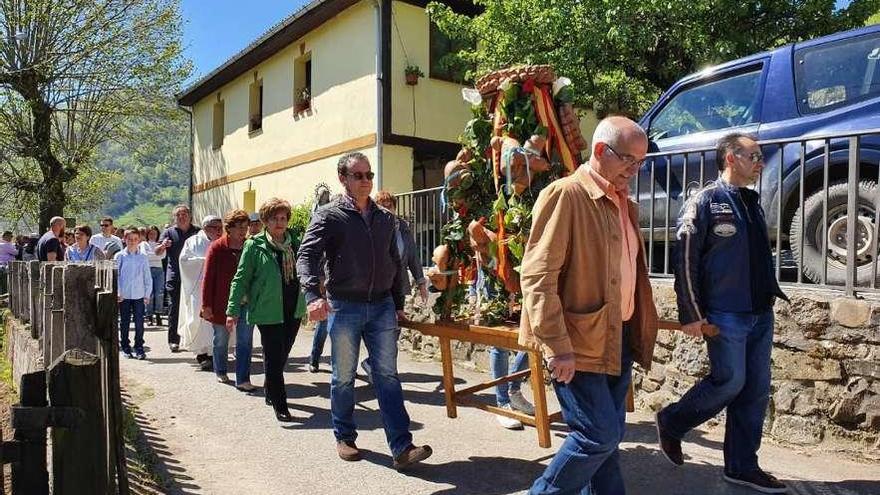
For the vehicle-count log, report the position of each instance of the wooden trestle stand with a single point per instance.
(506, 338)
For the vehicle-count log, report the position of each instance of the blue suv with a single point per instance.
(803, 102)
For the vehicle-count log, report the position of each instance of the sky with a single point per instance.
(215, 30)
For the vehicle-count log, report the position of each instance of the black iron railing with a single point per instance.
(828, 183)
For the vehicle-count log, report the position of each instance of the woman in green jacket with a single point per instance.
(266, 280)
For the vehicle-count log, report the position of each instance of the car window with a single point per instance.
(836, 74)
(717, 104)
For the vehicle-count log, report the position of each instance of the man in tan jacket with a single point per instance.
(587, 304)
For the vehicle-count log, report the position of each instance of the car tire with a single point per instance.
(808, 220)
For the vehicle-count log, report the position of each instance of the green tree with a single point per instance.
(76, 74)
(621, 54)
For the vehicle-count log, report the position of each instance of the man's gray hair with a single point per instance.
(612, 130)
(349, 158)
(55, 221)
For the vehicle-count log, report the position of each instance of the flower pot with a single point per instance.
(412, 79)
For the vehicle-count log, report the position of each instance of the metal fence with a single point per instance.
(829, 182)
(426, 216)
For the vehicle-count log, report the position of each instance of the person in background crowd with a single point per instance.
(255, 226)
(409, 257)
(322, 197)
(221, 263)
(134, 288)
(106, 236)
(8, 249)
(266, 278)
(724, 276)
(29, 250)
(198, 335)
(588, 304)
(8, 252)
(81, 249)
(69, 240)
(363, 302)
(49, 247)
(148, 247)
(172, 240)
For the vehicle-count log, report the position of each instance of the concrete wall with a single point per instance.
(826, 368)
(23, 351)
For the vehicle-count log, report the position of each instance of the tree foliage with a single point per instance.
(621, 54)
(74, 75)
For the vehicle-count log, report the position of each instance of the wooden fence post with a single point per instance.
(29, 474)
(75, 381)
(34, 288)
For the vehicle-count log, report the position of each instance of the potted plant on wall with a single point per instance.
(303, 100)
(413, 73)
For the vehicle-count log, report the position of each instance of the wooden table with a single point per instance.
(503, 337)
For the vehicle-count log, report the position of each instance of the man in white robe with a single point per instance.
(198, 334)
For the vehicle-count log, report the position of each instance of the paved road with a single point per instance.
(213, 439)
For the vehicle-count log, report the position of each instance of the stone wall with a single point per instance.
(826, 368)
(23, 351)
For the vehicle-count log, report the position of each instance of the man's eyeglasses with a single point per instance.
(361, 175)
(629, 160)
(754, 157)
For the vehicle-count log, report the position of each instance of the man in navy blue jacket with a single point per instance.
(724, 276)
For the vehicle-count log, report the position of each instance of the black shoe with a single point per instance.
(313, 367)
(671, 447)
(206, 365)
(140, 355)
(283, 416)
(174, 347)
(268, 400)
(127, 353)
(757, 480)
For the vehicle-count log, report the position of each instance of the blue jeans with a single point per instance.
(244, 341)
(739, 380)
(499, 360)
(318, 341)
(158, 297)
(129, 308)
(244, 345)
(594, 407)
(375, 324)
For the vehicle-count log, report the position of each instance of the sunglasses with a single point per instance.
(361, 175)
(754, 157)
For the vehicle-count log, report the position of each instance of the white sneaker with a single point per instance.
(519, 403)
(509, 423)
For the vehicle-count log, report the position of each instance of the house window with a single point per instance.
(255, 107)
(442, 65)
(302, 83)
(218, 130)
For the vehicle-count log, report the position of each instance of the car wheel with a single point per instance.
(808, 222)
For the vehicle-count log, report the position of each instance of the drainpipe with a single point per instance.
(189, 196)
(379, 100)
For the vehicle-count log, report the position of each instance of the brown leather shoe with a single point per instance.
(411, 456)
(347, 450)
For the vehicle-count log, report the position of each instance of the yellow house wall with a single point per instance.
(343, 110)
(397, 168)
(440, 112)
(296, 185)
